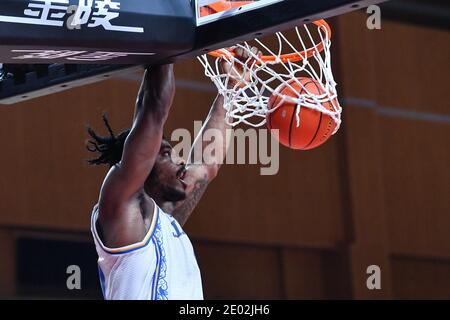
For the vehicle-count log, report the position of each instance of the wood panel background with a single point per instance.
(376, 193)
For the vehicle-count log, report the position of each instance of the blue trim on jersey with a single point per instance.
(156, 273)
(159, 290)
(151, 289)
(102, 280)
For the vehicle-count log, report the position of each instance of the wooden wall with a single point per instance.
(376, 193)
(397, 125)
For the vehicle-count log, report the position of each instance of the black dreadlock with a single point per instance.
(110, 148)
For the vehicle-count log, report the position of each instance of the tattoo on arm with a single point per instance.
(183, 212)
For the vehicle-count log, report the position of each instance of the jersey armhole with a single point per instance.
(128, 248)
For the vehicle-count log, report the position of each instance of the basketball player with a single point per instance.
(148, 195)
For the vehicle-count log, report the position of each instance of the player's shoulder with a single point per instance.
(133, 247)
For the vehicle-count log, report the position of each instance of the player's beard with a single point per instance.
(168, 191)
(173, 194)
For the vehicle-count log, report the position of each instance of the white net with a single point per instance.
(287, 65)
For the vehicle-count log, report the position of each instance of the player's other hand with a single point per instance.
(239, 71)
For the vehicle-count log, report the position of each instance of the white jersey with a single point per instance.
(160, 267)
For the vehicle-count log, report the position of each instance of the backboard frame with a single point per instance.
(284, 15)
(229, 13)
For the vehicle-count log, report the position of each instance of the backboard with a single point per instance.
(135, 32)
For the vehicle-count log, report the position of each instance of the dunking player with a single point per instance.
(148, 195)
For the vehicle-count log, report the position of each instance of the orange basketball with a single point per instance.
(315, 127)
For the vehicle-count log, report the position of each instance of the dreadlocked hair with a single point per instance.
(110, 148)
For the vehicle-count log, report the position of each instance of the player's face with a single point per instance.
(167, 175)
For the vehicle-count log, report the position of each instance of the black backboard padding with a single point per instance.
(187, 41)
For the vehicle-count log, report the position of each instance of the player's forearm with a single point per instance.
(156, 93)
(216, 116)
(216, 121)
(152, 109)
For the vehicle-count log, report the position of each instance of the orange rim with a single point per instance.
(292, 57)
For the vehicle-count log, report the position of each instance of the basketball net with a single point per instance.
(303, 52)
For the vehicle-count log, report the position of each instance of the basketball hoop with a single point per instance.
(299, 53)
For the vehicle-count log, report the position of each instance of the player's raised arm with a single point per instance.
(198, 175)
(202, 169)
(143, 143)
